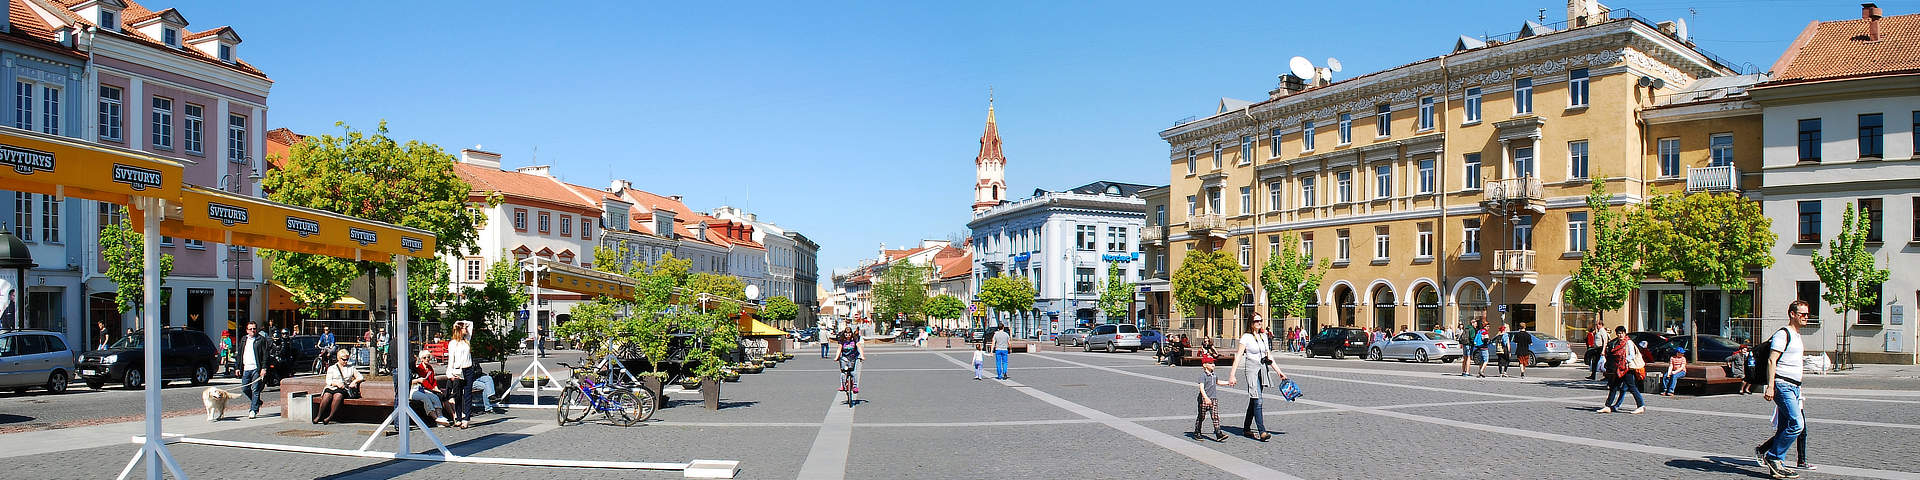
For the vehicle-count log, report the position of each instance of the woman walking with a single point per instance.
(1256, 354)
(462, 370)
(1622, 377)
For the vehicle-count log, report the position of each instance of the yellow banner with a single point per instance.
(35, 162)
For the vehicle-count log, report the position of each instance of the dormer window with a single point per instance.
(170, 36)
(110, 20)
(226, 53)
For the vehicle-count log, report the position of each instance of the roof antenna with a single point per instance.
(1543, 15)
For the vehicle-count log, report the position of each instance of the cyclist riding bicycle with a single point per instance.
(850, 355)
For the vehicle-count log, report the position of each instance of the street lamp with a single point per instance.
(14, 256)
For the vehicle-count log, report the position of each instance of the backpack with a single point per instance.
(1761, 373)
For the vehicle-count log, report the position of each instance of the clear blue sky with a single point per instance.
(856, 123)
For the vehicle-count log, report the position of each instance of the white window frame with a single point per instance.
(473, 270)
(1523, 233)
(1344, 179)
(237, 138)
(1668, 148)
(170, 36)
(50, 109)
(1216, 156)
(110, 112)
(1383, 120)
(1382, 246)
(1306, 136)
(1579, 159)
(160, 123)
(1274, 148)
(1275, 190)
(1343, 246)
(1192, 156)
(1306, 192)
(1246, 253)
(1470, 178)
(23, 103)
(23, 216)
(1719, 153)
(109, 19)
(1086, 237)
(1471, 107)
(1576, 232)
(1346, 129)
(1523, 95)
(1531, 161)
(1426, 114)
(1426, 179)
(1577, 93)
(1193, 206)
(1246, 200)
(1470, 237)
(49, 219)
(1383, 181)
(225, 52)
(1424, 243)
(196, 244)
(1246, 149)
(545, 222)
(1306, 245)
(192, 124)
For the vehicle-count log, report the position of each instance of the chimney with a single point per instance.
(1871, 13)
(1289, 84)
(541, 170)
(480, 158)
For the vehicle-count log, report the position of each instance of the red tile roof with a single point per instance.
(522, 185)
(955, 266)
(681, 214)
(280, 142)
(134, 11)
(1839, 49)
(33, 30)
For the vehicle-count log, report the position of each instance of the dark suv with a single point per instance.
(184, 355)
(1338, 342)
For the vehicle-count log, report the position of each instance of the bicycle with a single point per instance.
(616, 402)
(846, 382)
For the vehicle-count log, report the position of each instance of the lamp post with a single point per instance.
(14, 256)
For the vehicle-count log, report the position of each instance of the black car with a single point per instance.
(292, 356)
(184, 355)
(1338, 342)
(1713, 348)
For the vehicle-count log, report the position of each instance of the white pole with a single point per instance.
(403, 383)
(150, 299)
(533, 314)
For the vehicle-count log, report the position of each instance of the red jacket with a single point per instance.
(424, 372)
(1617, 352)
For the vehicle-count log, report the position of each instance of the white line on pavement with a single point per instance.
(1211, 457)
(828, 457)
(115, 434)
(1632, 447)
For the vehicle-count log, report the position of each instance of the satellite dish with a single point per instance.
(1680, 29)
(753, 292)
(1301, 67)
(1333, 64)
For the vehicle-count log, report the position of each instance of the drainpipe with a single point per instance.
(1253, 202)
(1440, 189)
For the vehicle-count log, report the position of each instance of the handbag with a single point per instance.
(1634, 362)
(1289, 390)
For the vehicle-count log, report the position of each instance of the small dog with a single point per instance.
(216, 401)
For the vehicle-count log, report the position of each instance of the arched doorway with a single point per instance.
(1383, 303)
(1344, 305)
(1472, 301)
(1426, 308)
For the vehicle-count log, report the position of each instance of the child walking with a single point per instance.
(1209, 402)
(979, 361)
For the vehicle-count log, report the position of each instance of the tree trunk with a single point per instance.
(1693, 328)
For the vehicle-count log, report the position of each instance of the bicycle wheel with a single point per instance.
(572, 406)
(623, 408)
(647, 402)
(846, 383)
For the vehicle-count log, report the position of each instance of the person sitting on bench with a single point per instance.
(342, 380)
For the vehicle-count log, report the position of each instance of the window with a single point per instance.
(1273, 245)
(1273, 146)
(1809, 222)
(1190, 159)
(1426, 175)
(1086, 237)
(196, 244)
(170, 36)
(162, 123)
(226, 53)
(1382, 181)
(1191, 206)
(1915, 142)
(1306, 133)
(107, 214)
(1869, 207)
(1426, 113)
(1246, 200)
(1916, 218)
(23, 105)
(1083, 280)
(1870, 315)
(1346, 128)
(1246, 252)
(1522, 96)
(110, 19)
(1577, 159)
(1306, 245)
(23, 216)
(1809, 291)
(191, 127)
(473, 270)
(1383, 116)
(1810, 140)
(109, 113)
(1669, 157)
(50, 219)
(1341, 242)
(166, 241)
(586, 229)
(1470, 237)
(1216, 156)
(1472, 175)
(1523, 233)
(1159, 214)
(1381, 251)
(1423, 242)
(520, 219)
(1577, 231)
(1523, 161)
(1871, 131)
(1306, 192)
(1577, 88)
(1213, 201)
(1246, 149)
(1345, 184)
(566, 225)
(1720, 150)
(237, 139)
(546, 222)
(1472, 105)
(49, 110)
(1273, 195)
(1116, 239)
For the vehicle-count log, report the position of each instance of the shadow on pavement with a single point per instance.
(1719, 465)
(394, 468)
(6, 418)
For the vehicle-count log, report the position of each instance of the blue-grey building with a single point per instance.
(1062, 241)
(44, 75)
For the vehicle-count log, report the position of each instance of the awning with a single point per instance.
(54, 165)
(569, 278)
(280, 297)
(749, 327)
(222, 217)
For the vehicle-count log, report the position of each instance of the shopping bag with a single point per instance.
(1289, 390)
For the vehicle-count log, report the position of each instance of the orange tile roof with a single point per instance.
(30, 28)
(536, 187)
(280, 142)
(681, 214)
(955, 266)
(135, 11)
(1838, 49)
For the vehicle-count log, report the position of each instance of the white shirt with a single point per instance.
(1793, 353)
(1256, 348)
(342, 376)
(979, 357)
(459, 355)
(247, 360)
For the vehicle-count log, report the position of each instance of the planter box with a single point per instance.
(710, 393)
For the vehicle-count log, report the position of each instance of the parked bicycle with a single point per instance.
(621, 403)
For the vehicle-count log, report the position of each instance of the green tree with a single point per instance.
(1007, 294)
(373, 177)
(1207, 280)
(900, 290)
(1703, 239)
(1116, 298)
(946, 307)
(721, 294)
(1848, 272)
(781, 309)
(126, 262)
(593, 327)
(1607, 272)
(1291, 279)
(492, 308)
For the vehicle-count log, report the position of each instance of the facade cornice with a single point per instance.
(1699, 111)
(142, 54)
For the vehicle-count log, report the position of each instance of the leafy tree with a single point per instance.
(374, 177)
(1007, 294)
(1607, 270)
(782, 309)
(901, 289)
(723, 294)
(491, 308)
(1116, 299)
(593, 327)
(1207, 280)
(1703, 239)
(946, 307)
(1291, 279)
(126, 262)
(1848, 271)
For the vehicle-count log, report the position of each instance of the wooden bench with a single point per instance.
(1226, 347)
(1701, 379)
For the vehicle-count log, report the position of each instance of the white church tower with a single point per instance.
(990, 167)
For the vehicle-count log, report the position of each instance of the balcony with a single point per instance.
(1515, 264)
(1208, 224)
(1723, 178)
(1153, 235)
(1524, 192)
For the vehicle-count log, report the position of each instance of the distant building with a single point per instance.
(1063, 242)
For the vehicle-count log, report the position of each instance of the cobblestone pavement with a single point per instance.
(1085, 415)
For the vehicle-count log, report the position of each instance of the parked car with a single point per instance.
(1151, 339)
(1071, 336)
(1113, 337)
(1546, 349)
(1418, 346)
(294, 356)
(1713, 348)
(35, 358)
(184, 355)
(976, 335)
(1338, 342)
(1647, 341)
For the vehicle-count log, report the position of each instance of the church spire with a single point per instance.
(990, 184)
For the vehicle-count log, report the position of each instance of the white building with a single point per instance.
(538, 216)
(1063, 242)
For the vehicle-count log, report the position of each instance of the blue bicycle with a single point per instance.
(621, 404)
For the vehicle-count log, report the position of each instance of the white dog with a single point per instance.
(216, 401)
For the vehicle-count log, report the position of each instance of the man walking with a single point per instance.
(1596, 346)
(1783, 390)
(253, 362)
(1001, 338)
(1522, 348)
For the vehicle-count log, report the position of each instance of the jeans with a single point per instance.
(1256, 419)
(1787, 417)
(485, 384)
(251, 388)
(978, 369)
(428, 398)
(1000, 364)
(1672, 380)
(1625, 384)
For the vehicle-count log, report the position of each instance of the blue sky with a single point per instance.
(856, 123)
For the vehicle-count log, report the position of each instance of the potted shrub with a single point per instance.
(500, 379)
(530, 382)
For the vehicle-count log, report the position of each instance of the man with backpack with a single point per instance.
(1779, 377)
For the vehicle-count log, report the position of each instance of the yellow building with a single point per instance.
(1445, 187)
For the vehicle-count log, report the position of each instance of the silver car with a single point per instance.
(1113, 337)
(1418, 346)
(1071, 336)
(35, 358)
(1546, 349)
